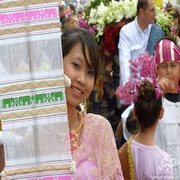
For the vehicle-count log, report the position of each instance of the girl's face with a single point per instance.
(82, 77)
(171, 70)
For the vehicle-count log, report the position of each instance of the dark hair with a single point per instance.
(79, 9)
(72, 7)
(148, 107)
(132, 124)
(174, 12)
(168, 6)
(72, 36)
(142, 4)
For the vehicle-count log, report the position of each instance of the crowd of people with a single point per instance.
(69, 15)
(106, 148)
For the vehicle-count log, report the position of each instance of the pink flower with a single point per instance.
(83, 23)
(142, 68)
(92, 29)
(158, 93)
(128, 93)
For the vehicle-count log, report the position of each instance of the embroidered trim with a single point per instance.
(130, 158)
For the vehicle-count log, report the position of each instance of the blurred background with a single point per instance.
(85, 3)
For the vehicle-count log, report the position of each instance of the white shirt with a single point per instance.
(167, 134)
(132, 41)
(124, 117)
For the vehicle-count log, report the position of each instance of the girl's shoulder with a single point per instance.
(94, 124)
(95, 120)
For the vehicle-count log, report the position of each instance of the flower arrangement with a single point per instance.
(130, 91)
(113, 13)
(142, 68)
(102, 14)
(83, 23)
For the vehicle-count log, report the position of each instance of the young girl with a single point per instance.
(94, 148)
(140, 157)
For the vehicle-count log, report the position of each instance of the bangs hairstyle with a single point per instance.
(78, 35)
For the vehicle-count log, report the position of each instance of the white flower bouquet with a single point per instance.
(114, 12)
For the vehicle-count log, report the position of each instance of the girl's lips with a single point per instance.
(76, 91)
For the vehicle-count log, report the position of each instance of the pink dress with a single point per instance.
(97, 156)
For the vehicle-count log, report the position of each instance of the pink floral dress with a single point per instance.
(97, 157)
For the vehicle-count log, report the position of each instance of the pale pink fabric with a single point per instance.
(97, 155)
(151, 162)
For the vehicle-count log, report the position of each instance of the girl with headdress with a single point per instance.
(167, 70)
(140, 157)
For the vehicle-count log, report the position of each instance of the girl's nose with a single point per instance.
(81, 77)
(169, 69)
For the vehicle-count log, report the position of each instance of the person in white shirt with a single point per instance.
(167, 136)
(134, 36)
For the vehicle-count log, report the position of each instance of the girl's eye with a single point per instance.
(173, 65)
(76, 65)
(163, 66)
(91, 73)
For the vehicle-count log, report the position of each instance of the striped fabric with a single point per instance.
(166, 50)
(32, 91)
